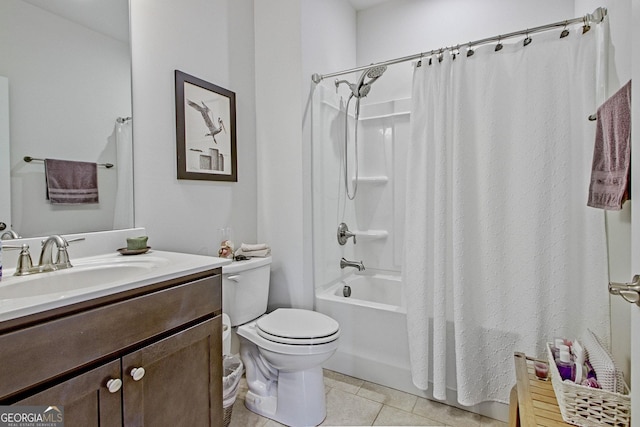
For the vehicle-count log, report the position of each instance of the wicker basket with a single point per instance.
(586, 406)
(226, 415)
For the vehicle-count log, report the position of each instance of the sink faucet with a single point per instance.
(345, 263)
(47, 262)
(9, 234)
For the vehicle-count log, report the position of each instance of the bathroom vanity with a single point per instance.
(143, 354)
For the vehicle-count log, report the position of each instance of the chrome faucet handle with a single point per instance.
(25, 264)
(75, 239)
(62, 261)
(344, 234)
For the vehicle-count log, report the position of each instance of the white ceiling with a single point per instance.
(110, 17)
(365, 4)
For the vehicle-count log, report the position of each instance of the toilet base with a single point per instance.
(300, 399)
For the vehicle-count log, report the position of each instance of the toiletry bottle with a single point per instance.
(566, 367)
(555, 348)
(578, 353)
(591, 373)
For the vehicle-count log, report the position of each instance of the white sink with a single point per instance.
(94, 277)
(85, 274)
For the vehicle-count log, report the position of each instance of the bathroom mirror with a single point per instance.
(67, 65)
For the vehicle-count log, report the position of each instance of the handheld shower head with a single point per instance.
(372, 74)
(377, 71)
(362, 88)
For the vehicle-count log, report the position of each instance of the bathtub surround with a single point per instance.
(497, 237)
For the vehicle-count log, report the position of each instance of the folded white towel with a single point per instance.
(254, 247)
(260, 253)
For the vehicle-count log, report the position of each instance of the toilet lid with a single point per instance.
(295, 326)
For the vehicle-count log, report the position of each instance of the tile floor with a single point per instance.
(355, 402)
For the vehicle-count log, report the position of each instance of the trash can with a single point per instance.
(232, 373)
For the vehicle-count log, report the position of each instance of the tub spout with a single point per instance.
(355, 264)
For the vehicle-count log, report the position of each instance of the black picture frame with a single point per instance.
(205, 130)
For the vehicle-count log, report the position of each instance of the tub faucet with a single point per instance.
(355, 264)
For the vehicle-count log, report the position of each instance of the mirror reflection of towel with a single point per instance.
(609, 187)
(71, 183)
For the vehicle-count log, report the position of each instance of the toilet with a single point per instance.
(282, 351)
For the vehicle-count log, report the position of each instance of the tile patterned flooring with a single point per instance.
(355, 402)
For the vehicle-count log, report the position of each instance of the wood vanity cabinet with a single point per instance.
(172, 330)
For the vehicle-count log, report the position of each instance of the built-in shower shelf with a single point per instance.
(371, 180)
(371, 234)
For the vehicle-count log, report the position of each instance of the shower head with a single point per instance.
(372, 74)
(362, 88)
(377, 71)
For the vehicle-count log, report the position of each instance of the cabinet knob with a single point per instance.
(137, 373)
(114, 385)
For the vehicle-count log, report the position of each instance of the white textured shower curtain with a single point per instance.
(499, 242)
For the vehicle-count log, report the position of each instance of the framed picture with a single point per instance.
(205, 130)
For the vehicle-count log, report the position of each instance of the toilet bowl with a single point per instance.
(283, 352)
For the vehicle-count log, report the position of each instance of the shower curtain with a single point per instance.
(123, 212)
(499, 242)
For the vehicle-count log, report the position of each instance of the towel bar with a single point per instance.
(29, 159)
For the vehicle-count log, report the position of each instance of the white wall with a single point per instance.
(279, 148)
(309, 35)
(65, 93)
(212, 40)
(635, 136)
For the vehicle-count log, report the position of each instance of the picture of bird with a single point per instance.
(208, 119)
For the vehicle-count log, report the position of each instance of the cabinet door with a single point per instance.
(182, 381)
(86, 400)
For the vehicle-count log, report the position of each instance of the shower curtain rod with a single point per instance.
(597, 16)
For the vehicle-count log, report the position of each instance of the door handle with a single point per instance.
(629, 291)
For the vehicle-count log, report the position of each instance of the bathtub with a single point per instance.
(373, 343)
(373, 331)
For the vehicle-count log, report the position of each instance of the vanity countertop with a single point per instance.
(99, 279)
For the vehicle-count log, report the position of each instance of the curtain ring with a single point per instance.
(470, 50)
(564, 32)
(499, 45)
(527, 39)
(455, 52)
(586, 27)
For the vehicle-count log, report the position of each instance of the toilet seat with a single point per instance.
(297, 327)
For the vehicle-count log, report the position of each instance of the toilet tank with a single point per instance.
(245, 289)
